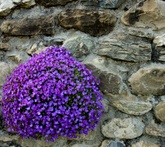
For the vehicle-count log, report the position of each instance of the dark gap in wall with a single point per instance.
(154, 54)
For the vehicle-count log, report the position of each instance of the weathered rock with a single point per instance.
(141, 33)
(85, 145)
(150, 13)
(105, 143)
(29, 26)
(154, 129)
(105, 104)
(95, 23)
(144, 144)
(17, 56)
(116, 144)
(4, 46)
(79, 46)
(6, 6)
(90, 2)
(116, 49)
(5, 70)
(149, 80)
(110, 83)
(127, 128)
(133, 107)
(159, 42)
(113, 4)
(160, 111)
(36, 49)
(24, 3)
(51, 3)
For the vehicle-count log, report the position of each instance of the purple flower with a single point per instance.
(51, 95)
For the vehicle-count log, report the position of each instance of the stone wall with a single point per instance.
(122, 41)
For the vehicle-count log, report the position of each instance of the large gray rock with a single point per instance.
(134, 51)
(160, 111)
(6, 6)
(154, 129)
(24, 3)
(149, 80)
(144, 144)
(133, 107)
(150, 13)
(29, 26)
(95, 23)
(127, 128)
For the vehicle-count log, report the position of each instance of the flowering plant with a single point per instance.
(51, 95)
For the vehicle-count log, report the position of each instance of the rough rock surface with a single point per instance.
(79, 45)
(119, 50)
(6, 7)
(150, 13)
(51, 3)
(111, 3)
(133, 107)
(5, 70)
(154, 129)
(159, 42)
(144, 144)
(127, 128)
(160, 111)
(149, 80)
(29, 26)
(4, 46)
(24, 3)
(95, 23)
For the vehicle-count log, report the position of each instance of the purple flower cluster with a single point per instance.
(51, 95)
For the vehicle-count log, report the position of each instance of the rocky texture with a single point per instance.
(79, 45)
(119, 50)
(6, 7)
(160, 111)
(127, 128)
(51, 3)
(133, 107)
(29, 26)
(144, 144)
(149, 80)
(159, 42)
(150, 13)
(5, 70)
(111, 3)
(95, 23)
(110, 83)
(154, 129)
(24, 3)
(4, 46)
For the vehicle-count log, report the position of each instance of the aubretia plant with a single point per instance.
(51, 95)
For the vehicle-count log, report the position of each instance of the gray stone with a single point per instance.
(95, 23)
(159, 42)
(160, 111)
(90, 2)
(105, 143)
(133, 107)
(136, 51)
(29, 26)
(6, 6)
(113, 4)
(147, 14)
(154, 129)
(4, 46)
(144, 144)
(110, 83)
(36, 48)
(51, 3)
(116, 144)
(24, 3)
(149, 80)
(79, 45)
(17, 56)
(127, 128)
(5, 70)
